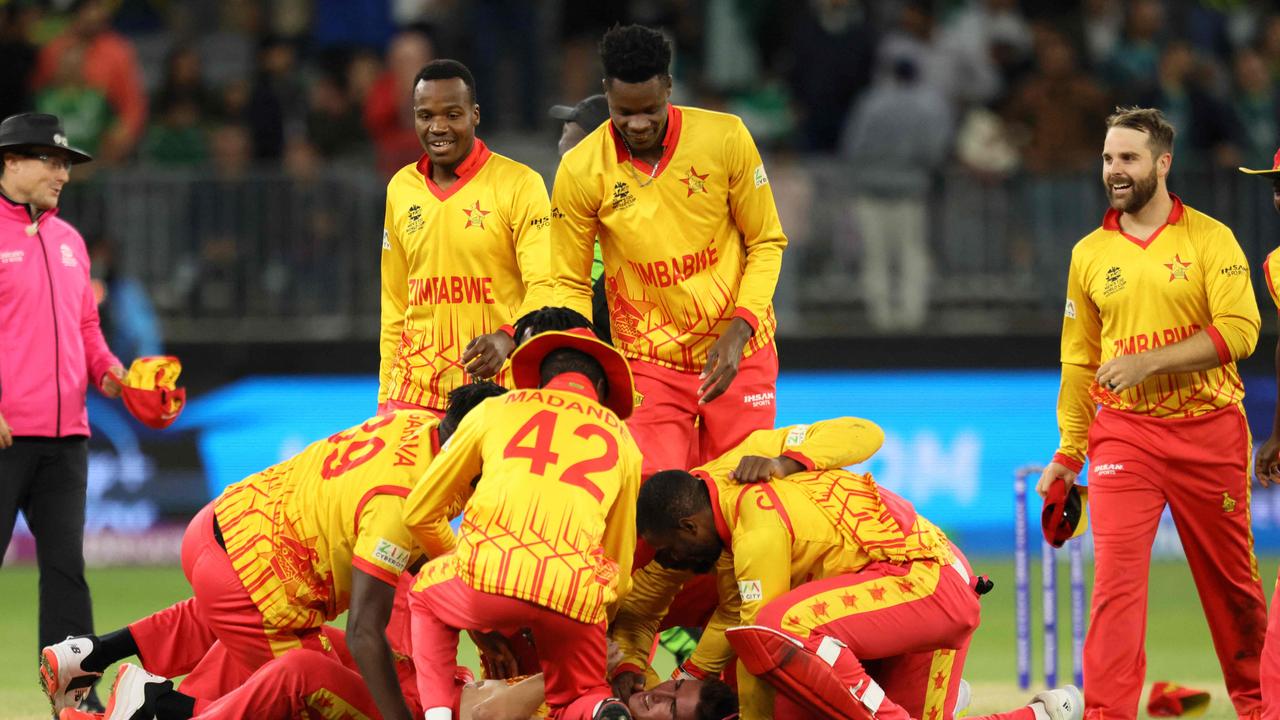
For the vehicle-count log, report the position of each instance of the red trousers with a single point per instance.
(674, 432)
(573, 652)
(1199, 467)
(906, 626)
(1270, 666)
(300, 683)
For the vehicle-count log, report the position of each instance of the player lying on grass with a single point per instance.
(279, 554)
(831, 564)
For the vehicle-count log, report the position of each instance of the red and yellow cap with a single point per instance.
(151, 393)
(1273, 172)
(1066, 512)
(526, 365)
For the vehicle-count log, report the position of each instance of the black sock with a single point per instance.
(110, 648)
(173, 705)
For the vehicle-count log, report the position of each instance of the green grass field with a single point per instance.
(1178, 646)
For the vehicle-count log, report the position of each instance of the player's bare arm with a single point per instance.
(723, 360)
(6, 434)
(1193, 354)
(485, 354)
(755, 468)
(370, 609)
(1266, 466)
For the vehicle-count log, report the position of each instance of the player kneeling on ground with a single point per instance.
(829, 563)
(271, 560)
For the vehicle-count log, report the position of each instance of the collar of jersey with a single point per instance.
(1111, 221)
(22, 213)
(575, 383)
(466, 170)
(722, 526)
(675, 119)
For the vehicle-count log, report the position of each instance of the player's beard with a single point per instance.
(1142, 192)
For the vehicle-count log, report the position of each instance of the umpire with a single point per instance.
(52, 349)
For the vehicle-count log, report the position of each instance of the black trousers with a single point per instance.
(46, 479)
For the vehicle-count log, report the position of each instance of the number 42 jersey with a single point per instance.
(295, 530)
(552, 519)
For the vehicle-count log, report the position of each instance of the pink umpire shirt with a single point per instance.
(51, 344)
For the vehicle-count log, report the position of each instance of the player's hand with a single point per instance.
(754, 468)
(1266, 466)
(723, 360)
(6, 435)
(112, 380)
(484, 355)
(1053, 472)
(626, 683)
(495, 654)
(1121, 373)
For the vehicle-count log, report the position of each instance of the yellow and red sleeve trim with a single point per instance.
(693, 671)
(627, 667)
(1069, 462)
(1224, 352)
(374, 571)
(749, 317)
(400, 490)
(510, 330)
(466, 170)
(800, 458)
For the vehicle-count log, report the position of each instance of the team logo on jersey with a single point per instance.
(1228, 504)
(1177, 269)
(750, 590)
(475, 216)
(386, 240)
(695, 182)
(391, 554)
(1071, 309)
(625, 312)
(68, 257)
(622, 197)
(1115, 282)
(415, 220)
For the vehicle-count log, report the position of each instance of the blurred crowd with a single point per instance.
(183, 83)
(895, 94)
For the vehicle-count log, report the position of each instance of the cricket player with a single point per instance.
(465, 250)
(828, 564)
(1159, 309)
(823, 445)
(692, 245)
(547, 538)
(1267, 468)
(278, 554)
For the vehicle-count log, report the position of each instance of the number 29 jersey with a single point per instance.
(552, 519)
(295, 530)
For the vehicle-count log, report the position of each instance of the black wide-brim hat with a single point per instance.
(38, 130)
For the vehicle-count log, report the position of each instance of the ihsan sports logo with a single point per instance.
(755, 400)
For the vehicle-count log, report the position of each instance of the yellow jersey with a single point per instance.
(295, 530)
(457, 264)
(1127, 296)
(1271, 271)
(823, 445)
(687, 245)
(552, 516)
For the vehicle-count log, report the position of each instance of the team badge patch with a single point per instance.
(1071, 309)
(386, 240)
(750, 590)
(1177, 269)
(796, 434)
(391, 554)
(760, 177)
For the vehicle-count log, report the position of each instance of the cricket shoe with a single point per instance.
(64, 681)
(134, 694)
(612, 709)
(1064, 703)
